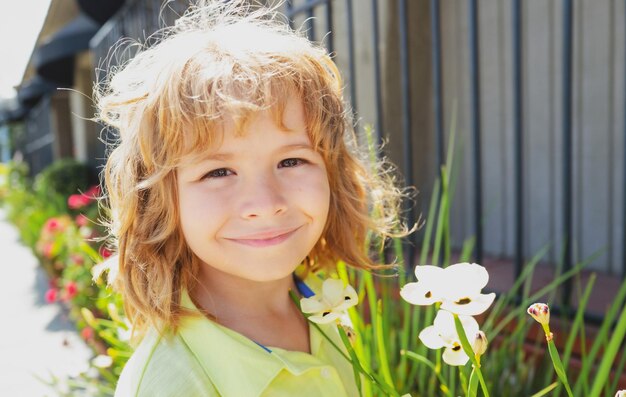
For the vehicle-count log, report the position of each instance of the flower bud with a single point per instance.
(621, 393)
(479, 345)
(540, 312)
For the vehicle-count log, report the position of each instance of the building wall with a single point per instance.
(598, 125)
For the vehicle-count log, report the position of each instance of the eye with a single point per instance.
(218, 173)
(293, 162)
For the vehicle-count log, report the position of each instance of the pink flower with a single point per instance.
(76, 201)
(81, 220)
(71, 290)
(87, 333)
(52, 225)
(104, 252)
(93, 192)
(48, 250)
(77, 259)
(51, 295)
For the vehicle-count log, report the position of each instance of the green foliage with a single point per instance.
(64, 177)
(387, 328)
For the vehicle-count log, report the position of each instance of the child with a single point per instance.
(235, 164)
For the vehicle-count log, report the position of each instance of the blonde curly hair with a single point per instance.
(224, 59)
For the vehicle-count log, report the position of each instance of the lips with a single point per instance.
(265, 238)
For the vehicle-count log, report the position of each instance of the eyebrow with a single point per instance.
(223, 156)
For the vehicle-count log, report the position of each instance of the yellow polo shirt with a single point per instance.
(207, 359)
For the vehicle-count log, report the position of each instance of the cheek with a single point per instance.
(315, 192)
(199, 212)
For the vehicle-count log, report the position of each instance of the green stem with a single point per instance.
(470, 352)
(424, 360)
(355, 363)
(556, 360)
(472, 388)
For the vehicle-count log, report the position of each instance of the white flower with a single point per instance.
(458, 288)
(111, 265)
(333, 302)
(102, 361)
(621, 393)
(443, 334)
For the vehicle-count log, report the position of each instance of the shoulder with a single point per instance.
(162, 366)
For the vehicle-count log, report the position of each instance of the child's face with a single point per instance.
(258, 205)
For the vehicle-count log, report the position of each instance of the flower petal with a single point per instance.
(455, 355)
(325, 317)
(332, 291)
(312, 305)
(419, 293)
(469, 305)
(425, 273)
(350, 298)
(444, 323)
(430, 338)
(469, 274)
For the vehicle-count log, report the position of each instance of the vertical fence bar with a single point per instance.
(378, 92)
(289, 6)
(329, 24)
(437, 86)
(406, 130)
(567, 146)
(518, 139)
(310, 31)
(475, 107)
(351, 55)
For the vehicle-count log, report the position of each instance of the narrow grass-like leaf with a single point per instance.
(424, 360)
(553, 284)
(381, 343)
(619, 369)
(355, 370)
(558, 366)
(617, 339)
(546, 390)
(577, 324)
(467, 348)
(504, 299)
(430, 220)
(472, 388)
(601, 336)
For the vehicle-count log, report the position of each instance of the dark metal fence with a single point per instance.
(307, 7)
(37, 140)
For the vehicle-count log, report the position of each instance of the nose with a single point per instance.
(262, 197)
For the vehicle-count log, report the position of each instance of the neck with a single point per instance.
(230, 298)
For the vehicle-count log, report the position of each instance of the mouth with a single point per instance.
(265, 239)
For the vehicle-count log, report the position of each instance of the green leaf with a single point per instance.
(467, 348)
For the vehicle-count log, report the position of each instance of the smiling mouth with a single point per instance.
(264, 241)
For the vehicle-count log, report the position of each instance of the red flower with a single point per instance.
(52, 225)
(87, 333)
(70, 290)
(104, 252)
(76, 201)
(51, 295)
(81, 220)
(93, 192)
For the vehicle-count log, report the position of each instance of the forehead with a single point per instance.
(286, 115)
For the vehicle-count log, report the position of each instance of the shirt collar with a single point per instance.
(195, 331)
